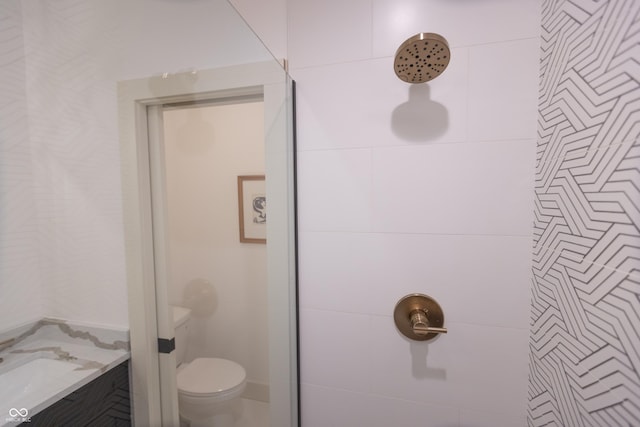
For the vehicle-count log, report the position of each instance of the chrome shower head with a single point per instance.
(422, 58)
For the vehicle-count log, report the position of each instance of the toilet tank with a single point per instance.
(181, 316)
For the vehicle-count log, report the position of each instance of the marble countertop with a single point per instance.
(42, 362)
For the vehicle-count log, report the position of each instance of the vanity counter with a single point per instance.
(43, 362)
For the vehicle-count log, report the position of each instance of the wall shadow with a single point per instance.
(201, 297)
(419, 368)
(419, 119)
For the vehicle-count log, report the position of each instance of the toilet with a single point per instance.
(209, 389)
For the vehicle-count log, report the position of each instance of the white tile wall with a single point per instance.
(336, 349)
(470, 368)
(338, 195)
(180, 37)
(586, 253)
(268, 19)
(335, 407)
(454, 189)
(424, 188)
(499, 106)
(484, 419)
(73, 134)
(329, 31)
(395, 113)
(455, 373)
(462, 23)
(366, 273)
(20, 279)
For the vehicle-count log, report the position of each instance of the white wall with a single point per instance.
(20, 279)
(268, 19)
(408, 189)
(73, 137)
(221, 279)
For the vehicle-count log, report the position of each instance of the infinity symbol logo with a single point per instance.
(13, 412)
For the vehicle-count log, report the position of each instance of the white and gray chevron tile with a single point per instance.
(585, 323)
(72, 108)
(20, 283)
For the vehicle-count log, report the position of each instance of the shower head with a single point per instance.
(422, 58)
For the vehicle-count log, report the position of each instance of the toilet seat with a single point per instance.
(209, 377)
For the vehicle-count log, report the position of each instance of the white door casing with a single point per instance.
(140, 121)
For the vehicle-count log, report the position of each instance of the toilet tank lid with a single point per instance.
(180, 315)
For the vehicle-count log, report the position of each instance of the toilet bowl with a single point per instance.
(209, 389)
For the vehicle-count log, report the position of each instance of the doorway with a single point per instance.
(212, 269)
(141, 122)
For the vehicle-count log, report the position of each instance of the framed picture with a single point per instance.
(252, 208)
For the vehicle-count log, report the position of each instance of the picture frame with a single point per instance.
(252, 204)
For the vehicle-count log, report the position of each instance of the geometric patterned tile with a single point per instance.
(19, 280)
(585, 324)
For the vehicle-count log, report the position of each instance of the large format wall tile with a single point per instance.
(462, 23)
(325, 32)
(368, 92)
(370, 272)
(337, 192)
(585, 344)
(375, 361)
(454, 188)
(442, 372)
(334, 407)
(499, 105)
(414, 188)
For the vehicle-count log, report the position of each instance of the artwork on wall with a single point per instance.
(252, 208)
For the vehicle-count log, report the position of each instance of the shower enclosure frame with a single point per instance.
(140, 101)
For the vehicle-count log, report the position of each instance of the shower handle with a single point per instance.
(419, 317)
(420, 324)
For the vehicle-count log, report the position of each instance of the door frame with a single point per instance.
(149, 318)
